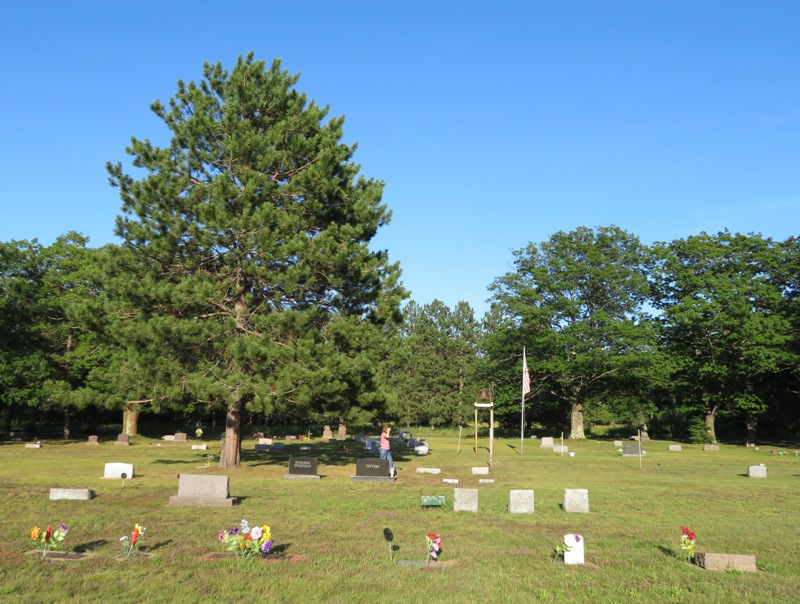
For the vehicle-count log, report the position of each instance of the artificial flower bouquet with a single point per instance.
(49, 538)
(247, 543)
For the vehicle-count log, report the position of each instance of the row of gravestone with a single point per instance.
(521, 501)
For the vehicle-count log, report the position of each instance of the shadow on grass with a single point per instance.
(155, 546)
(169, 462)
(324, 454)
(667, 552)
(277, 550)
(91, 546)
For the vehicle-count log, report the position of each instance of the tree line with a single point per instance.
(245, 285)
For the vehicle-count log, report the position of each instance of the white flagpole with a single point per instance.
(525, 389)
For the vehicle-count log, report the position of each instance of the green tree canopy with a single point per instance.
(576, 302)
(254, 272)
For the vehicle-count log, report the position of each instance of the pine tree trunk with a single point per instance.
(232, 449)
(576, 420)
(130, 420)
(66, 423)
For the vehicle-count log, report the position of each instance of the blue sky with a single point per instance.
(492, 123)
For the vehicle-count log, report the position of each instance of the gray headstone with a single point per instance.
(547, 442)
(202, 490)
(757, 471)
(116, 470)
(73, 494)
(372, 468)
(576, 501)
(520, 501)
(631, 451)
(278, 446)
(560, 449)
(675, 448)
(465, 500)
(303, 466)
(710, 447)
(93, 440)
(123, 439)
(180, 436)
(263, 448)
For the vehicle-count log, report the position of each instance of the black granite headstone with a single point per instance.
(304, 466)
(372, 467)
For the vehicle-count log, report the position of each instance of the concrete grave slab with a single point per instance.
(735, 562)
(72, 494)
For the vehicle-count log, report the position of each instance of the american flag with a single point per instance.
(526, 377)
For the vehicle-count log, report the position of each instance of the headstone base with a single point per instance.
(214, 502)
(301, 476)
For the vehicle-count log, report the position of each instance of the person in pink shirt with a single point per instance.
(386, 448)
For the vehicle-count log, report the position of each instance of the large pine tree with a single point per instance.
(253, 228)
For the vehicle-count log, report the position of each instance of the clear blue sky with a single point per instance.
(492, 123)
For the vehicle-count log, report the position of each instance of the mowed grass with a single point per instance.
(334, 526)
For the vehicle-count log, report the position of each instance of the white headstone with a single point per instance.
(576, 501)
(465, 500)
(575, 553)
(116, 470)
(202, 447)
(675, 448)
(486, 481)
(429, 470)
(421, 449)
(757, 471)
(617, 443)
(521, 502)
(480, 470)
(450, 480)
(547, 442)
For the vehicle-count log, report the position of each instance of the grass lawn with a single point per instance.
(334, 527)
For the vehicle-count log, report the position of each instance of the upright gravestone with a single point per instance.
(180, 436)
(264, 445)
(675, 448)
(576, 501)
(574, 552)
(521, 501)
(203, 490)
(117, 470)
(631, 451)
(617, 443)
(123, 440)
(302, 468)
(757, 471)
(327, 432)
(547, 442)
(465, 500)
(93, 440)
(372, 469)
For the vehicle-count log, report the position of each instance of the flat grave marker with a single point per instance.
(632, 451)
(72, 494)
